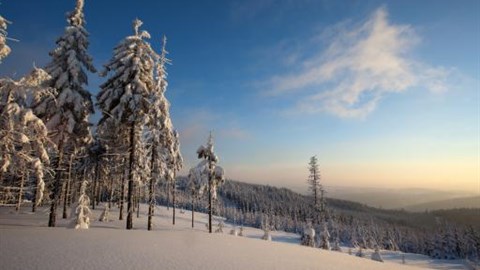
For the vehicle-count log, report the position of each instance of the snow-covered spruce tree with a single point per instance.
(165, 157)
(308, 237)
(215, 174)
(315, 187)
(336, 245)
(82, 219)
(220, 226)
(66, 113)
(174, 164)
(376, 256)
(4, 49)
(324, 238)
(197, 183)
(104, 217)
(265, 226)
(125, 96)
(23, 136)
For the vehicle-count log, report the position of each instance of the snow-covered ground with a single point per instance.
(27, 243)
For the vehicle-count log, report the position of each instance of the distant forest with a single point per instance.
(443, 234)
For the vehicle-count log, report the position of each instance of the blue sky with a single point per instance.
(385, 93)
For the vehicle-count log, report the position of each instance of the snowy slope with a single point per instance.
(26, 243)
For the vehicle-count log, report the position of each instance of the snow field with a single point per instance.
(27, 243)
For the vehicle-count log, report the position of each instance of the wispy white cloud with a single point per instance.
(362, 63)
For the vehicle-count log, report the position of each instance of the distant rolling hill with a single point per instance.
(395, 198)
(466, 202)
(263, 198)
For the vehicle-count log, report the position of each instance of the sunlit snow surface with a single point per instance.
(27, 243)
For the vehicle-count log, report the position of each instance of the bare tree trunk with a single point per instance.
(67, 186)
(94, 187)
(138, 201)
(110, 197)
(210, 176)
(174, 190)
(193, 207)
(71, 191)
(168, 196)
(65, 198)
(151, 191)
(151, 203)
(35, 191)
(58, 181)
(122, 195)
(20, 193)
(99, 191)
(130, 178)
(209, 206)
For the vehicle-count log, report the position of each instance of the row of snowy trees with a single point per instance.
(45, 127)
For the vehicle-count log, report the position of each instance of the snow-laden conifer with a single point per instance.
(376, 256)
(125, 96)
(4, 48)
(325, 238)
(308, 237)
(165, 157)
(23, 136)
(66, 113)
(314, 180)
(82, 211)
(197, 184)
(104, 217)
(208, 170)
(265, 226)
(220, 226)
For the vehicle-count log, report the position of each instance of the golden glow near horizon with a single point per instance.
(455, 176)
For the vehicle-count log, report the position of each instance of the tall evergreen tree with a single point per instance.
(314, 180)
(66, 113)
(215, 174)
(165, 155)
(125, 96)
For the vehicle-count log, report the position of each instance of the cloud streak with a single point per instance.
(362, 63)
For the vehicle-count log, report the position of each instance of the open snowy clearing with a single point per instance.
(27, 243)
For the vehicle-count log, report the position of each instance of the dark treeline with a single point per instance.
(443, 234)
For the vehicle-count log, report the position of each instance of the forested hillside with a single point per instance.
(440, 234)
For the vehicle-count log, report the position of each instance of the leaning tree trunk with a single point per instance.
(56, 189)
(20, 192)
(130, 178)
